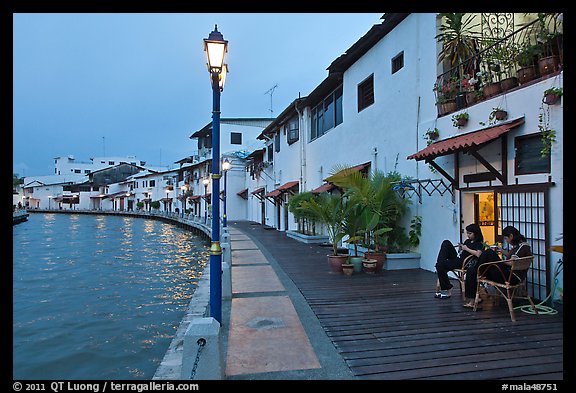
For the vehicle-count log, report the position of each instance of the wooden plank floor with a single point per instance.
(388, 326)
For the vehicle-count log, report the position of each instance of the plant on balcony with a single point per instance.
(460, 119)
(497, 114)
(459, 39)
(547, 134)
(431, 135)
(526, 58)
(552, 95)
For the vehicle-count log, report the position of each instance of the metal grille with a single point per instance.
(527, 211)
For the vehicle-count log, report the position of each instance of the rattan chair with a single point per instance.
(504, 287)
(460, 273)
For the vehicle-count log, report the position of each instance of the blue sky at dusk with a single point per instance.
(136, 84)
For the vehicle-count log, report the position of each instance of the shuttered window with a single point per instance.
(366, 93)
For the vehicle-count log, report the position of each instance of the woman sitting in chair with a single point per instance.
(520, 248)
(449, 260)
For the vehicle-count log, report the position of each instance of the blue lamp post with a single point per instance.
(216, 48)
(226, 165)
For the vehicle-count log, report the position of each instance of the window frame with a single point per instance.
(364, 101)
(519, 159)
(394, 60)
(318, 113)
(237, 135)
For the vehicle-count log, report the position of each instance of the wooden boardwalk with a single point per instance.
(388, 326)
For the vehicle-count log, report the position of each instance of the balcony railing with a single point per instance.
(531, 53)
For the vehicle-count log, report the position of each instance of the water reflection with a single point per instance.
(103, 304)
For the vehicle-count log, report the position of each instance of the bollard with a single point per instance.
(202, 358)
(226, 281)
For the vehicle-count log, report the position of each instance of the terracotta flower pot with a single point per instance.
(335, 262)
(348, 269)
(551, 99)
(500, 115)
(526, 74)
(547, 65)
(509, 83)
(492, 89)
(380, 257)
(446, 107)
(369, 265)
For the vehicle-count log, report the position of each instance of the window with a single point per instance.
(270, 153)
(528, 158)
(110, 162)
(366, 93)
(236, 138)
(277, 142)
(327, 114)
(293, 130)
(86, 171)
(398, 62)
(152, 183)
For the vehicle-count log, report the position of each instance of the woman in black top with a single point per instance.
(449, 260)
(520, 248)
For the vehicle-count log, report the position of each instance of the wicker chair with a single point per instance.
(505, 288)
(460, 273)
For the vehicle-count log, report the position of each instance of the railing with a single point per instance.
(530, 53)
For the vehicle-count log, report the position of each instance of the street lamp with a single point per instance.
(226, 165)
(184, 189)
(216, 48)
(205, 182)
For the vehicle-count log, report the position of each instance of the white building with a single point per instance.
(374, 109)
(69, 164)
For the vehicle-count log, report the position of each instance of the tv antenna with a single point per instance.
(271, 91)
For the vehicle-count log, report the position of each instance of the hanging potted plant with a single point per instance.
(552, 95)
(431, 135)
(497, 114)
(460, 120)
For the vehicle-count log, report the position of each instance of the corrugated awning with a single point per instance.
(258, 191)
(464, 141)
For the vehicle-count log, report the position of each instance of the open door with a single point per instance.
(485, 215)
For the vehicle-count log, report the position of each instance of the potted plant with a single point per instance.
(330, 210)
(155, 205)
(140, 205)
(552, 95)
(446, 96)
(431, 135)
(353, 229)
(526, 58)
(383, 207)
(497, 114)
(459, 120)
(459, 39)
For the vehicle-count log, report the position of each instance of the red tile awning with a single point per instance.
(464, 141)
(283, 188)
(351, 169)
(326, 187)
(273, 193)
(243, 194)
(257, 191)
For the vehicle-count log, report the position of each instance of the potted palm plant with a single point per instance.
(381, 203)
(353, 227)
(330, 210)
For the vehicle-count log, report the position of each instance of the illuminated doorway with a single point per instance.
(485, 215)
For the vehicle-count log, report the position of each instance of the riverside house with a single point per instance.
(382, 98)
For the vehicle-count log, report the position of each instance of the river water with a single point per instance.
(98, 296)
